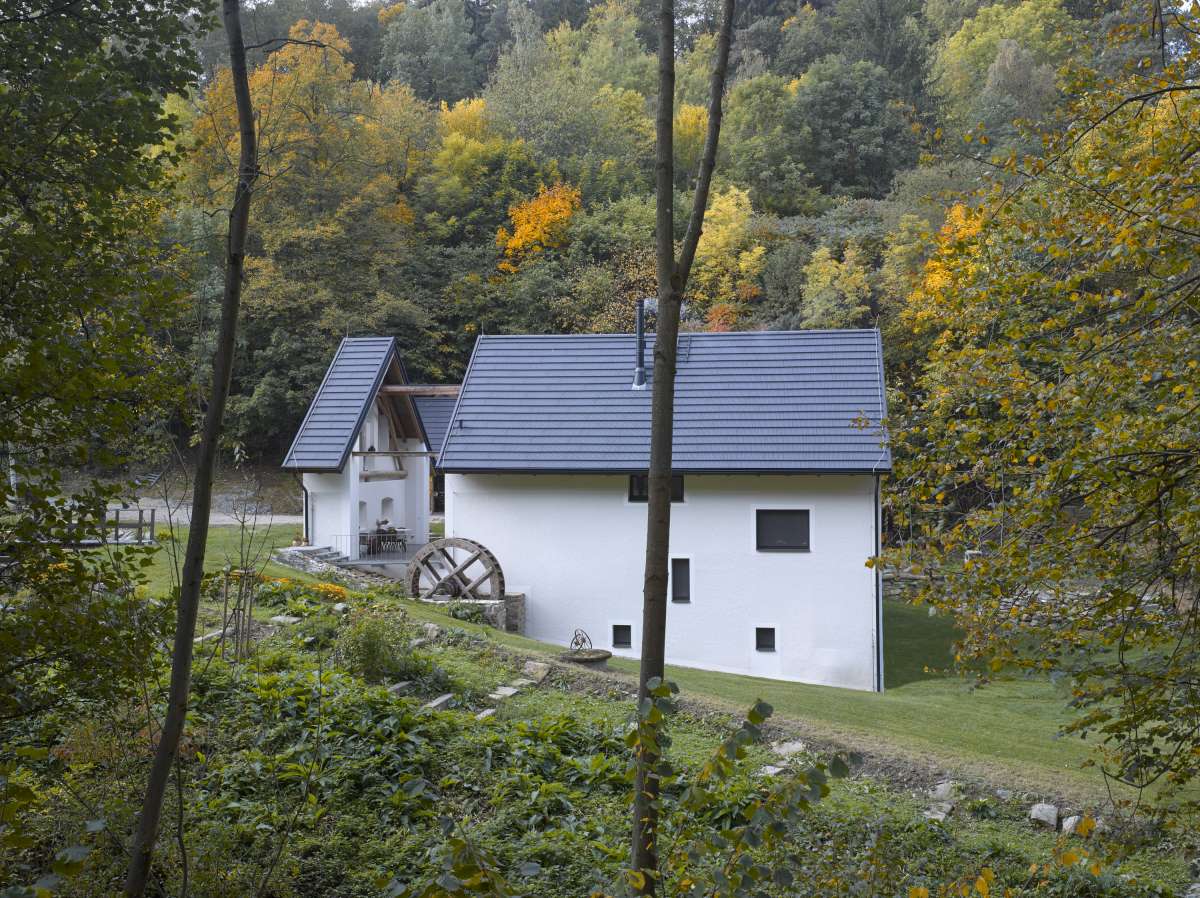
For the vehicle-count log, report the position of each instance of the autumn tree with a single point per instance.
(343, 165)
(1051, 459)
(538, 224)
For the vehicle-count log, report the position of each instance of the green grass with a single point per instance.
(224, 547)
(1005, 732)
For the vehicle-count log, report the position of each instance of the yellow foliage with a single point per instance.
(388, 13)
(467, 117)
(691, 127)
(539, 223)
(728, 258)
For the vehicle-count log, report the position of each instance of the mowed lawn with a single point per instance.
(227, 545)
(1005, 732)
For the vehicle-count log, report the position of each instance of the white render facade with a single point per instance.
(342, 505)
(574, 544)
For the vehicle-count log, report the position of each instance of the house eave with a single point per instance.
(464, 469)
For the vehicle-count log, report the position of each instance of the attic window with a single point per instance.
(639, 488)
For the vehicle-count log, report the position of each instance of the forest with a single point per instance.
(436, 171)
(1006, 190)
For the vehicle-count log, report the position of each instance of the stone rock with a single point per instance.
(341, 608)
(787, 749)
(536, 670)
(1044, 815)
(399, 688)
(521, 683)
(417, 643)
(440, 702)
(771, 770)
(506, 691)
(432, 630)
(939, 812)
(215, 634)
(285, 619)
(485, 713)
(944, 791)
(1193, 892)
(1004, 794)
(1071, 823)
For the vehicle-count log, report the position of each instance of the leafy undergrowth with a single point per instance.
(303, 775)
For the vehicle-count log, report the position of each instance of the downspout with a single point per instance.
(304, 490)
(878, 590)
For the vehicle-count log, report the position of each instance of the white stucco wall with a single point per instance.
(340, 505)
(575, 546)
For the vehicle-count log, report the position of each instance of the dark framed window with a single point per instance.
(764, 639)
(622, 636)
(681, 580)
(781, 530)
(639, 487)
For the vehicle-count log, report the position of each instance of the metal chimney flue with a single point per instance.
(639, 370)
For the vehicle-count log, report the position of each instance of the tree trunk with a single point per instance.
(193, 565)
(672, 282)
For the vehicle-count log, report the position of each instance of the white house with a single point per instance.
(777, 464)
(777, 458)
(364, 453)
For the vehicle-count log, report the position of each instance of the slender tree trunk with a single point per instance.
(193, 564)
(672, 282)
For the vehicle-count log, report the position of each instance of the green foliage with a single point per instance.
(1049, 457)
(86, 297)
(1039, 27)
(375, 645)
(429, 49)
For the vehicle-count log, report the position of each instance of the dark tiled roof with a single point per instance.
(435, 412)
(337, 411)
(761, 401)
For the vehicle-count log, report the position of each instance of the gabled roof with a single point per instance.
(435, 412)
(767, 401)
(328, 431)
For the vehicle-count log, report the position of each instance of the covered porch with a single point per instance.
(365, 454)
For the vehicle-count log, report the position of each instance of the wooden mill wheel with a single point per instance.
(455, 568)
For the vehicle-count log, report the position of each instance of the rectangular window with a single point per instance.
(764, 639)
(622, 636)
(781, 531)
(681, 580)
(639, 487)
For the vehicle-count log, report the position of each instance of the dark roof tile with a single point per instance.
(787, 401)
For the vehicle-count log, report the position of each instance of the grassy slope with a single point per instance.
(1006, 731)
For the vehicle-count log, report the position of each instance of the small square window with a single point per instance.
(639, 487)
(781, 531)
(681, 580)
(622, 636)
(764, 639)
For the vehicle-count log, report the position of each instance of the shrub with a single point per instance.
(471, 612)
(375, 646)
